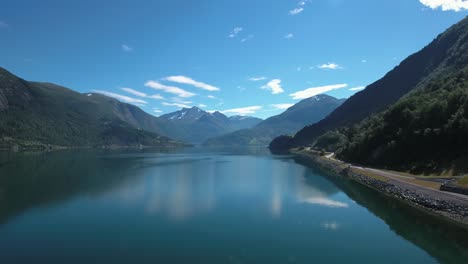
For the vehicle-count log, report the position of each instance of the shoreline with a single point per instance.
(449, 206)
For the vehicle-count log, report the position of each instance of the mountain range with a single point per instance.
(415, 118)
(34, 114)
(305, 112)
(413, 72)
(195, 125)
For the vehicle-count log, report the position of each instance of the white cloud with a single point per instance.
(243, 110)
(156, 110)
(282, 106)
(446, 5)
(289, 36)
(176, 105)
(331, 226)
(316, 90)
(325, 202)
(169, 89)
(302, 3)
(120, 97)
(235, 31)
(256, 79)
(190, 81)
(180, 101)
(251, 36)
(359, 88)
(134, 92)
(3, 24)
(141, 94)
(296, 11)
(126, 48)
(212, 97)
(329, 66)
(274, 85)
(202, 105)
(156, 96)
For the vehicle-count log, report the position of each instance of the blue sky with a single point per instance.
(241, 57)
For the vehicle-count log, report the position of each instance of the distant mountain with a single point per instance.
(195, 125)
(440, 55)
(243, 122)
(305, 112)
(34, 114)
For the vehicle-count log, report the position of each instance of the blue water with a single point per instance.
(204, 206)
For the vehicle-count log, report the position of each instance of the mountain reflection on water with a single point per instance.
(220, 200)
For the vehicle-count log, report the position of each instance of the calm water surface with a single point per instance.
(204, 206)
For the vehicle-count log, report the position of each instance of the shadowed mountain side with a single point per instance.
(441, 55)
(33, 113)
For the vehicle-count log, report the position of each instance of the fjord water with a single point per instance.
(204, 206)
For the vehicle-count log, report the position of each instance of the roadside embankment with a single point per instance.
(449, 205)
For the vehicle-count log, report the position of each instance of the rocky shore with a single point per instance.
(451, 206)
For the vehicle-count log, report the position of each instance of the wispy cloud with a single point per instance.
(329, 66)
(134, 92)
(126, 48)
(316, 90)
(243, 110)
(156, 110)
(235, 32)
(325, 202)
(359, 88)
(364, 61)
(3, 24)
(251, 36)
(212, 97)
(187, 80)
(299, 8)
(256, 79)
(274, 85)
(180, 101)
(202, 105)
(120, 97)
(141, 94)
(446, 5)
(289, 36)
(176, 105)
(169, 89)
(281, 106)
(296, 11)
(156, 96)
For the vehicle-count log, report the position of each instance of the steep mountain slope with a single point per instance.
(196, 125)
(307, 111)
(424, 132)
(42, 113)
(415, 71)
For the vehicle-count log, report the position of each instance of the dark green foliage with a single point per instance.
(34, 113)
(307, 111)
(332, 141)
(448, 52)
(424, 131)
(424, 126)
(279, 144)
